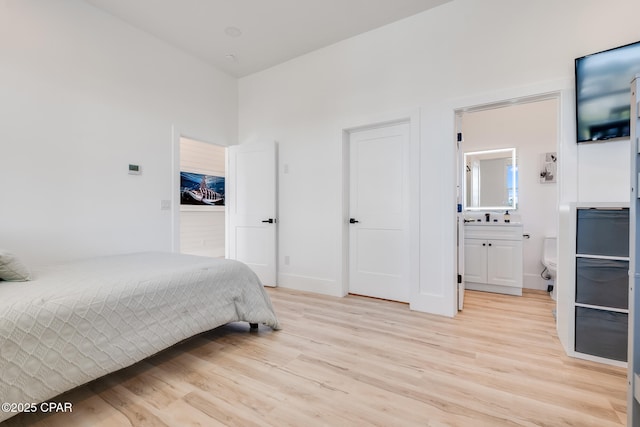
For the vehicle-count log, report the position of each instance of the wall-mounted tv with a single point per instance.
(603, 95)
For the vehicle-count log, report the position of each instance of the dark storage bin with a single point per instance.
(603, 232)
(601, 333)
(602, 282)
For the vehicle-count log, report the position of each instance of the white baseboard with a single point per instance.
(330, 287)
(509, 290)
(317, 285)
(534, 281)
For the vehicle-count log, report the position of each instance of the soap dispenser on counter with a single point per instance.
(507, 217)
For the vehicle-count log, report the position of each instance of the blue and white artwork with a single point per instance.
(199, 189)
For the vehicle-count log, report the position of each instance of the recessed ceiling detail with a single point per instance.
(233, 31)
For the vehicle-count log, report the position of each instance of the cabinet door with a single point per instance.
(504, 263)
(603, 232)
(475, 260)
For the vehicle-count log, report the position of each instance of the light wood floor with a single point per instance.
(358, 361)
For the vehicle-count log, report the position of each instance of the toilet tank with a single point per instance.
(550, 249)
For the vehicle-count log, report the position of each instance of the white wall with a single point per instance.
(82, 95)
(531, 128)
(458, 54)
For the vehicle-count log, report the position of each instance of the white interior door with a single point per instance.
(379, 212)
(461, 189)
(461, 259)
(251, 197)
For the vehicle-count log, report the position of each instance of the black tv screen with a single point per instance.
(603, 95)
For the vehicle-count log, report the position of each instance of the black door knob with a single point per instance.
(353, 221)
(270, 220)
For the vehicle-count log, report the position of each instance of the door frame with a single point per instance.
(557, 90)
(176, 135)
(412, 117)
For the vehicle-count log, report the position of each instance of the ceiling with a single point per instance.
(242, 37)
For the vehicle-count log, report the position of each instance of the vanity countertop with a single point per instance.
(499, 224)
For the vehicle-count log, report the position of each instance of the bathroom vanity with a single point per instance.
(492, 249)
(493, 257)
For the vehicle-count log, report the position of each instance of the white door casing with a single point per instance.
(460, 234)
(252, 208)
(460, 254)
(379, 241)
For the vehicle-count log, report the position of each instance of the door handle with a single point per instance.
(270, 220)
(353, 221)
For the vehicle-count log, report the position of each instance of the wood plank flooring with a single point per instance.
(359, 361)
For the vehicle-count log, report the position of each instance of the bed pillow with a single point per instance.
(11, 268)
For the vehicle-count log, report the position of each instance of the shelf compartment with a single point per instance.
(603, 282)
(601, 333)
(603, 232)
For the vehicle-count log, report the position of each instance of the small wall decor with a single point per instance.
(549, 168)
(199, 189)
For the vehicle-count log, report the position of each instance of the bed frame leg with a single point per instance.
(253, 326)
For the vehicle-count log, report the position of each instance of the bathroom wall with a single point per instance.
(531, 128)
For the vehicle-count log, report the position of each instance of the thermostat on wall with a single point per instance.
(135, 169)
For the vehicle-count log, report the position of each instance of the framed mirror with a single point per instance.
(491, 180)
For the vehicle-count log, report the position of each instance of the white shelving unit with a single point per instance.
(633, 393)
(598, 305)
(601, 304)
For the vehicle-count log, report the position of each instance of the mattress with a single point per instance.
(76, 322)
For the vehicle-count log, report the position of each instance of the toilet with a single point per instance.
(550, 261)
(550, 256)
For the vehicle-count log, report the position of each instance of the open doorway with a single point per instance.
(202, 198)
(531, 126)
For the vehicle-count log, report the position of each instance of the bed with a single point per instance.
(76, 322)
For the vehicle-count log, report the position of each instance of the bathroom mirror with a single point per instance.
(491, 180)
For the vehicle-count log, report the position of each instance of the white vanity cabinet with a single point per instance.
(493, 258)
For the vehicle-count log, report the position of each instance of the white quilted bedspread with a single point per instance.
(76, 322)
